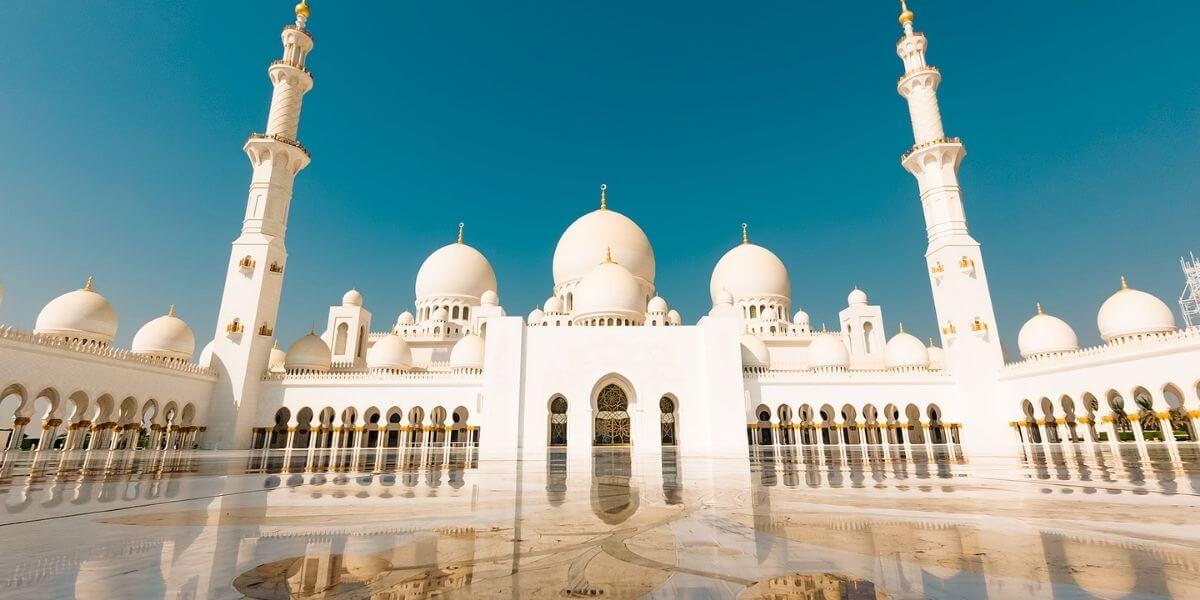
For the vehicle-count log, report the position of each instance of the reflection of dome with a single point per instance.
(455, 270)
(904, 351)
(309, 353)
(352, 298)
(81, 314)
(275, 363)
(828, 351)
(467, 353)
(554, 306)
(609, 289)
(576, 253)
(1046, 334)
(857, 297)
(750, 271)
(1131, 312)
(755, 353)
(1102, 567)
(166, 337)
(390, 352)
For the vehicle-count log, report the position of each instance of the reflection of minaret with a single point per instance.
(955, 263)
(254, 279)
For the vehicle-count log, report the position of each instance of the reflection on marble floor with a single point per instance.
(783, 523)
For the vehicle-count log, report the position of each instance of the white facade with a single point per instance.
(605, 360)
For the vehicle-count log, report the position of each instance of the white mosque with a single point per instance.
(606, 361)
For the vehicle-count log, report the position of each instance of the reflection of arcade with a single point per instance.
(431, 564)
(404, 458)
(815, 586)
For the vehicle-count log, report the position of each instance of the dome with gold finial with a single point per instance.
(1130, 313)
(167, 336)
(575, 254)
(609, 292)
(1045, 334)
(749, 271)
(455, 271)
(79, 315)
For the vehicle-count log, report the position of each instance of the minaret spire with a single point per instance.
(960, 298)
(254, 274)
(745, 235)
(603, 196)
(460, 231)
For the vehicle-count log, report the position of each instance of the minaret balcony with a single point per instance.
(930, 145)
(925, 76)
(281, 139)
(294, 65)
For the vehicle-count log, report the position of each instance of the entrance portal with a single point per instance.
(612, 417)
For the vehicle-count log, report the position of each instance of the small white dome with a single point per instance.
(455, 270)
(1131, 312)
(489, 298)
(905, 351)
(656, 305)
(80, 314)
(1046, 334)
(750, 271)
(576, 252)
(352, 298)
(755, 353)
(857, 297)
(801, 318)
(440, 314)
(274, 364)
(673, 317)
(937, 357)
(309, 353)
(609, 288)
(207, 353)
(166, 337)
(467, 353)
(723, 305)
(554, 306)
(536, 316)
(406, 318)
(770, 314)
(828, 351)
(390, 352)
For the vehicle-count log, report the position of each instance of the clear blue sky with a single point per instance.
(122, 126)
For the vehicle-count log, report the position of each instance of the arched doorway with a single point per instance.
(666, 407)
(558, 421)
(612, 417)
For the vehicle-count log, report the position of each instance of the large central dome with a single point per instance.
(582, 246)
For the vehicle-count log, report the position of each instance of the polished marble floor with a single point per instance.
(784, 523)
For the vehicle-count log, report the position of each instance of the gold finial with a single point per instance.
(608, 255)
(906, 16)
(745, 235)
(276, 346)
(313, 330)
(171, 311)
(930, 342)
(603, 196)
(302, 11)
(1124, 285)
(822, 328)
(460, 229)
(901, 327)
(1039, 309)
(87, 287)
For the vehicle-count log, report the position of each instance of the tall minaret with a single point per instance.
(954, 261)
(254, 278)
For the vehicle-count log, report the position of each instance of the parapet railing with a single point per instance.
(1117, 348)
(378, 375)
(102, 350)
(784, 375)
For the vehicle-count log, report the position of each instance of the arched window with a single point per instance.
(455, 313)
(362, 338)
(666, 407)
(558, 421)
(753, 312)
(612, 417)
(867, 327)
(466, 313)
(339, 344)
